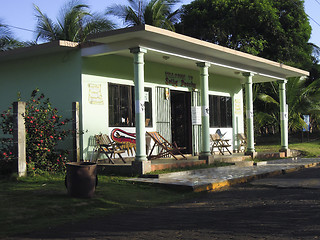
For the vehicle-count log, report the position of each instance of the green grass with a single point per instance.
(308, 149)
(30, 204)
(35, 203)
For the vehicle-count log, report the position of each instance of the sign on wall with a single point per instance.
(95, 94)
(196, 115)
(179, 80)
(237, 106)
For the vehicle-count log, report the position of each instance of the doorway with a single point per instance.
(181, 119)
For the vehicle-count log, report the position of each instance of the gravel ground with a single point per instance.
(241, 212)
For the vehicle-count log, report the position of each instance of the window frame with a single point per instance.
(220, 111)
(116, 118)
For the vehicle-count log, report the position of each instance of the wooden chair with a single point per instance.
(243, 141)
(219, 143)
(109, 148)
(166, 148)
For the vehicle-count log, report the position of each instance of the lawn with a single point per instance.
(308, 149)
(35, 203)
(30, 204)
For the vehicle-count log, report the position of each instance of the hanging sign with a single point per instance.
(196, 115)
(146, 96)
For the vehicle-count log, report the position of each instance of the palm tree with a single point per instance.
(75, 23)
(302, 99)
(158, 13)
(7, 42)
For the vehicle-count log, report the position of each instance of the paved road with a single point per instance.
(248, 211)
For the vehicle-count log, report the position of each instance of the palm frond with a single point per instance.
(155, 12)
(45, 27)
(267, 98)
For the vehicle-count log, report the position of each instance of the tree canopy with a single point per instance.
(278, 30)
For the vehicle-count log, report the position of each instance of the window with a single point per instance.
(121, 106)
(220, 111)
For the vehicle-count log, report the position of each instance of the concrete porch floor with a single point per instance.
(166, 163)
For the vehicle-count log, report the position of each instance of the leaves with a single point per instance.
(7, 42)
(74, 23)
(276, 30)
(158, 13)
(302, 98)
(45, 128)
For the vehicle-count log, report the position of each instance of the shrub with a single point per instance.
(45, 128)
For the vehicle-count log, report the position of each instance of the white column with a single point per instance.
(249, 113)
(283, 115)
(204, 83)
(138, 54)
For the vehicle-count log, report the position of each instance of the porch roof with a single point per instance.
(179, 50)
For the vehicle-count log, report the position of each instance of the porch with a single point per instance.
(166, 163)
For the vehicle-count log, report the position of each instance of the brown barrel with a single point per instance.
(81, 179)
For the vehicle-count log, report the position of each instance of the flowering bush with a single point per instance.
(45, 128)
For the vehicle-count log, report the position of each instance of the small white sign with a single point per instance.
(249, 114)
(283, 116)
(205, 111)
(196, 115)
(146, 96)
(140, 108)
(95, 94)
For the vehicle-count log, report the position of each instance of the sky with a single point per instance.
(21, 14)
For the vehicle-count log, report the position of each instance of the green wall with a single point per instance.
(56, 75)
(122, 68)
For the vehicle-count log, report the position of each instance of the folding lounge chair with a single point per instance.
(166, 148)
(109, 148)
(219, 143)
(243, 142)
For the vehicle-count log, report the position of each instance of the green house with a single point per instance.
(144, 78)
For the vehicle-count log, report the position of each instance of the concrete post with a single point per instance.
(76, 131)
(235, 126)
(19, 138)
(138, 54)
(249, 113)
(204, 84)
(283, 115)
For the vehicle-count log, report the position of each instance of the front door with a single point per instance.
(181, 119)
